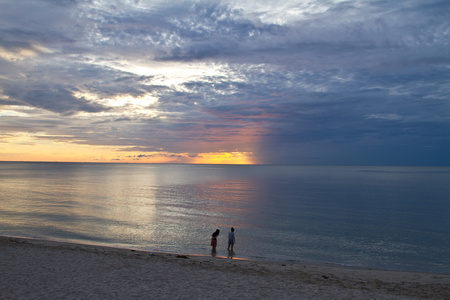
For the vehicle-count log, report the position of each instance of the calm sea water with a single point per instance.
(378, 217)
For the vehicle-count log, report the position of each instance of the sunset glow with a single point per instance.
(32, 148)
(225, 158)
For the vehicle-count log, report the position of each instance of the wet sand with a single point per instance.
(37, 269)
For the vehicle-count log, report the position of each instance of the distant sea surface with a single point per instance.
(377, 217)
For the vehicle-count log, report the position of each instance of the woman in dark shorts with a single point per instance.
(214, 239)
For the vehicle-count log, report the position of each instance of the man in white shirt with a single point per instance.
(231, 239)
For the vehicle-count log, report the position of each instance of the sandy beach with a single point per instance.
(37, 269)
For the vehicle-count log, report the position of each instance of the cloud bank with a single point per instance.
(302, 82)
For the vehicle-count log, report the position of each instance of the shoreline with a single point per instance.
(35, 268)
(45, 241)
(220, 255)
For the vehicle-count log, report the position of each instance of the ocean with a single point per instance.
(395, 218)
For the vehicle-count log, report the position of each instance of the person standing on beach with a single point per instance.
(214, 239)
(231, 239)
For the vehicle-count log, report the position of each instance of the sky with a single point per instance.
(324, 82)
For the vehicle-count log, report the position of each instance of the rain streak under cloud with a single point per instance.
(301, 82)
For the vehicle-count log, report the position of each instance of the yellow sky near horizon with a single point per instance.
(31, 149)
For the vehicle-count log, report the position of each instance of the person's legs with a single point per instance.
(230, 244)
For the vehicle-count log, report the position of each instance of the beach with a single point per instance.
(39, 269)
